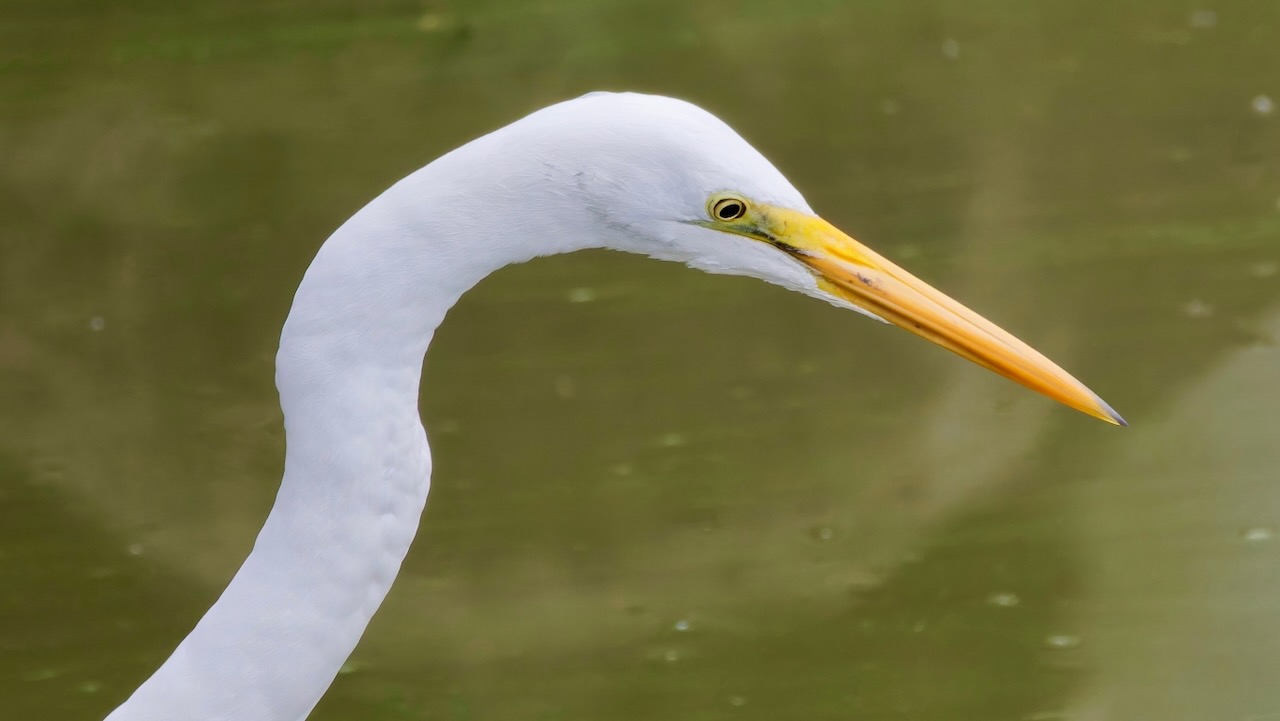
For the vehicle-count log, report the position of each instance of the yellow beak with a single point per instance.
(851, 271)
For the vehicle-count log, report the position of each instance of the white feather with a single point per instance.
(624, 171)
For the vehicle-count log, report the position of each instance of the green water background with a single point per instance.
(661, 494)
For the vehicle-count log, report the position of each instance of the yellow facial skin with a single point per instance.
(851, 271)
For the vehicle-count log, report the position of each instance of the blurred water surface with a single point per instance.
(660, 494)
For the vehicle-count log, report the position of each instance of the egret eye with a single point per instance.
(728, 208)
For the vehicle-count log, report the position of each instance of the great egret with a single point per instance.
(644, 174)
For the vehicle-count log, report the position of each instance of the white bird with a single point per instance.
(638, 173)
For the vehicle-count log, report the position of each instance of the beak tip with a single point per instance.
(1111, 415)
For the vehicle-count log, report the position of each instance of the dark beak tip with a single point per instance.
(1115, 417)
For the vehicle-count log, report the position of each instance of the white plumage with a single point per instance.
(623, 171)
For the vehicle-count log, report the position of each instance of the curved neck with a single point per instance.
(357, 465)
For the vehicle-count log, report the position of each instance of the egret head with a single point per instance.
(672, 181)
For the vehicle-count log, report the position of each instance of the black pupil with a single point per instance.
(730, 210)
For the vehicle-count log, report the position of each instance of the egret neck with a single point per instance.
(357, 465)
